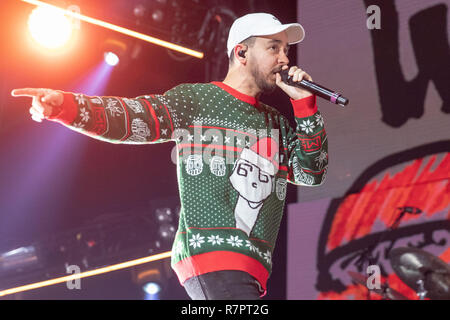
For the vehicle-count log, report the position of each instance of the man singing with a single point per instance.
(234, 154)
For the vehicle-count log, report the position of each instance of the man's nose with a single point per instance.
(283, 58)
(254, 185)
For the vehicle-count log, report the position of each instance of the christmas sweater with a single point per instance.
(235, 156)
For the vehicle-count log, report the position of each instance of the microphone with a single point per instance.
(312, 87)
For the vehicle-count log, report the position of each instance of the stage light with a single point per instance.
(95, 81)
(164, 215)
(158, 16)
(152, 279)
(50, 27)
(111, 58)
(139, 11)
(167, 231)
(151, 288)
(22, 258)
(119, 29)
(152, 291)
(116, 50)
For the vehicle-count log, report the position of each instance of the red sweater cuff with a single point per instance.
(67, 112)
(304, 107)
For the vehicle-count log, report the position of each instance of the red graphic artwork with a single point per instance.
(314, 143)
(422, 183)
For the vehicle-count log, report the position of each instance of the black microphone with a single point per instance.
(312, 87)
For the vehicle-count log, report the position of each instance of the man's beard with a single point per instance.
(261, 80)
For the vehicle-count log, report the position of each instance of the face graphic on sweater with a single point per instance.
(254, 185)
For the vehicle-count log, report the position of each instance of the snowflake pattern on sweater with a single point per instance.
(235, 157)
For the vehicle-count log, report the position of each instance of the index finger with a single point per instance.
(26, 92)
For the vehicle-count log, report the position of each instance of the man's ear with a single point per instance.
(239, 52)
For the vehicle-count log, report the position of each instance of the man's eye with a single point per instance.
(263, 177)
(242, 169)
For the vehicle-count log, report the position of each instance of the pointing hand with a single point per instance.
(44, 101)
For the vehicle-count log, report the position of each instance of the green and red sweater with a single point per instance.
(235, 156)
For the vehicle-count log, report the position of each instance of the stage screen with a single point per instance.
(387, 184)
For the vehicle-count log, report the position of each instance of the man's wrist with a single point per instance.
(67, 111)
(300, 96)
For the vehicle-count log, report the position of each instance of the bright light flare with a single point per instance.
(151, 288)
(50, 27)
(111, 58)
(119, 29)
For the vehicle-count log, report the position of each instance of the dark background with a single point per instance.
(53, 180)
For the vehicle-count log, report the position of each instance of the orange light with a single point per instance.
(122, 30)
(86, 274)
(49, 27)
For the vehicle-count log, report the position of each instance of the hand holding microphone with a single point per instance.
(297, 78)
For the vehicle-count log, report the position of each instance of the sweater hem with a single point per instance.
(218, 261)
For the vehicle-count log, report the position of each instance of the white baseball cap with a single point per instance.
(261, 24)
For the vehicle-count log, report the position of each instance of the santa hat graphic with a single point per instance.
(263, 154)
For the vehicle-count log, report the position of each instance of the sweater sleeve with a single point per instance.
(307, 145)
(141, 120)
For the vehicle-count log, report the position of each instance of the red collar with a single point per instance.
(238, 95)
